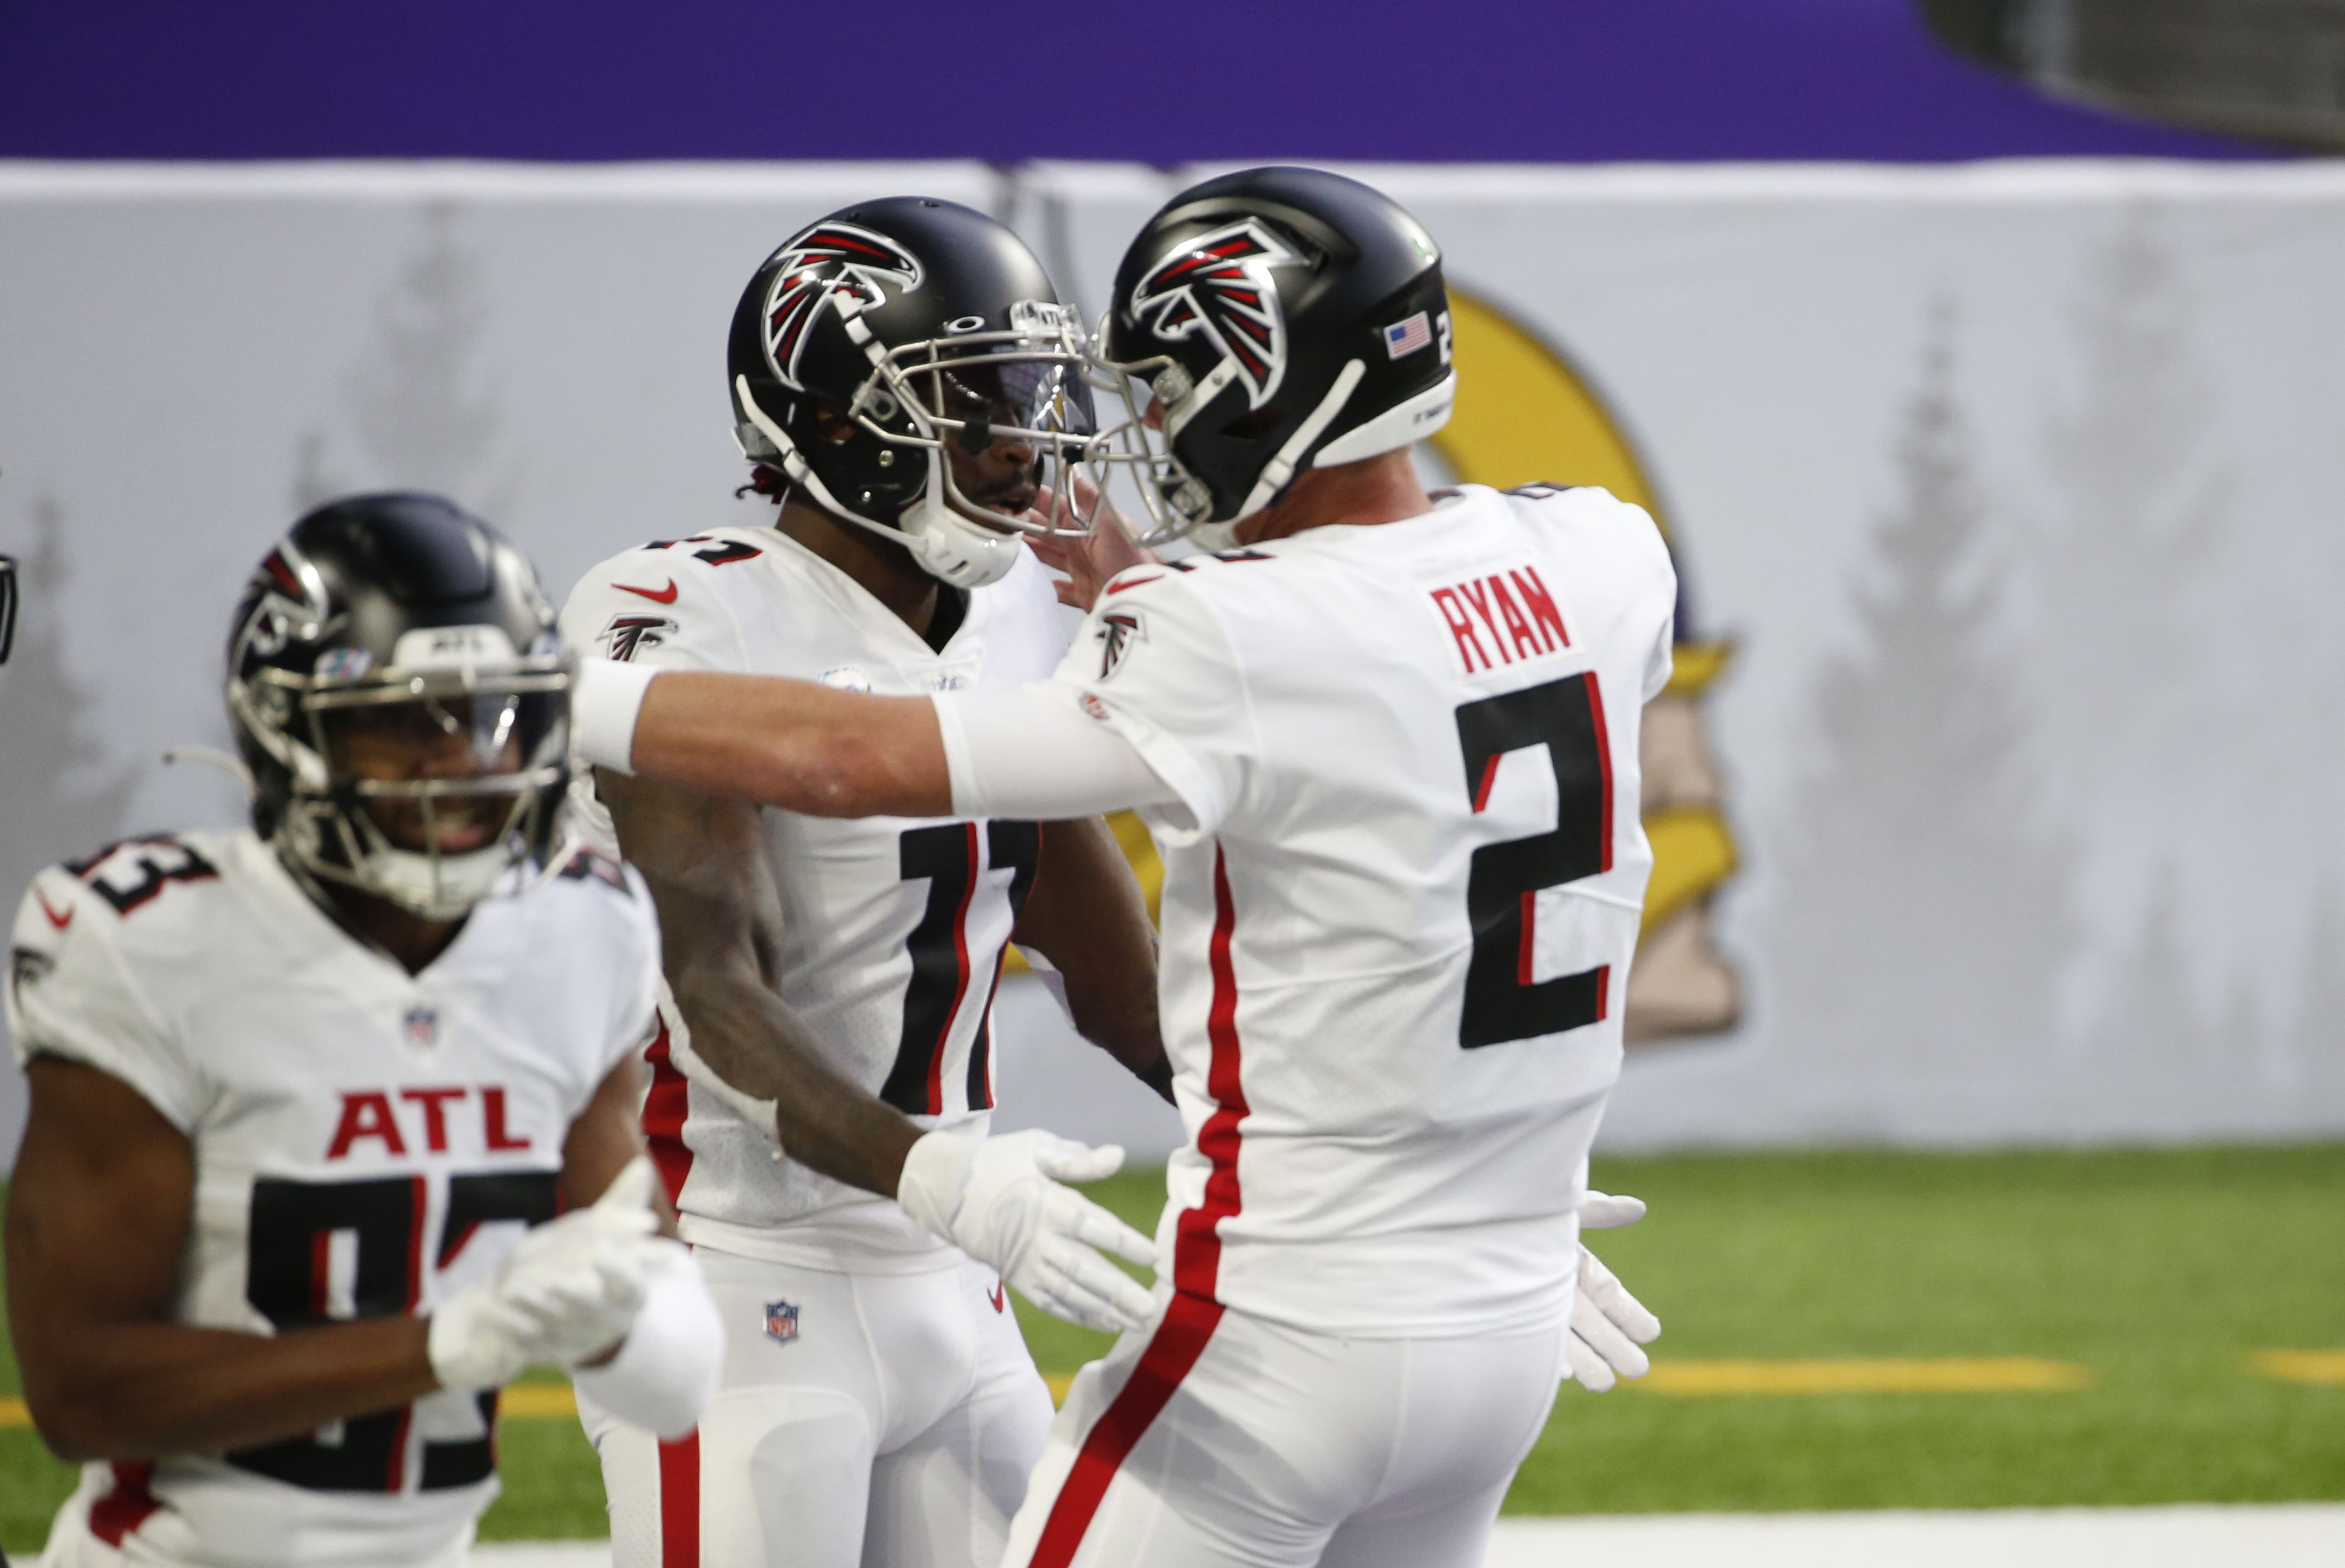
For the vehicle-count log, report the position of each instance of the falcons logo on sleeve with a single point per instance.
(1220, 285)
(830, 261)
(626, 634)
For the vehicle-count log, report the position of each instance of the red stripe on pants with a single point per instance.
(679, 1484)
(1174, 1349)
(1189, 1321)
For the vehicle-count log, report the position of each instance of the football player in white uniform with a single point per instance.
(1390, 744)
(300, 1093)
(832, 981)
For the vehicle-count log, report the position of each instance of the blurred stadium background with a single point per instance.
(1988, 380)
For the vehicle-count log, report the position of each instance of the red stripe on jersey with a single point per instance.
(321, 1263)
(980, 1050)
(1189, 1322)
(395, 1479)
(960, 982)
(1197, 1241)
(679, 1494)
(1603, 759)
(1603, 990)
(665, 1105)
(1523, 956)
(1489, 777)
(418, 1199)
(128, 1504)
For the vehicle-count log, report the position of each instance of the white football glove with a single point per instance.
(999, 1201)
(565, 1294)
(1608, 1324)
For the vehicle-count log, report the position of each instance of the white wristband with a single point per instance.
(667, 1368)
(604, 701)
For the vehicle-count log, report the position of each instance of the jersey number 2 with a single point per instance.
(1503, 1001)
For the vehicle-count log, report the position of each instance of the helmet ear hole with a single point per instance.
(1254, 425)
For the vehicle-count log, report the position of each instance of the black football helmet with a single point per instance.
(1286, 319)
(399, 627)
(875, 336)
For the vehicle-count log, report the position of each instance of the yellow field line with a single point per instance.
(1678, 1379)
(1935, 1375)
(530, 1401)
(2322, 1369)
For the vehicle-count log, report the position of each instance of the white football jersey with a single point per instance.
(366, 1142)
(893, 929)
(1401, 897)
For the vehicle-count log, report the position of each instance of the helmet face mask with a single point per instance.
(396, 749)
(907, 366)
(1274, 320)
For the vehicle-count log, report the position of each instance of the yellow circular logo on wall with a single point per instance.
(1526, 414)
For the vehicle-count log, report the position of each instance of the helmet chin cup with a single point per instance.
(437, 887)
(952, 548)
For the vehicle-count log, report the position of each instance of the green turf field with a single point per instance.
(2158, 1272)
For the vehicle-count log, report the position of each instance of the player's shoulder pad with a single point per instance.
(588, 865)
(133, 906)
(642, 598)
(1204, 566)
(1595, 513)
(122, 881)
(592, 878)
(598, 912)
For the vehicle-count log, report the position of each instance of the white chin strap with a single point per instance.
(945, 545)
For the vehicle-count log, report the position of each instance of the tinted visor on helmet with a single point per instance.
(438, 782)
(1009, 413)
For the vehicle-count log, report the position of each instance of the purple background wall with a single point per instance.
(1511, 80)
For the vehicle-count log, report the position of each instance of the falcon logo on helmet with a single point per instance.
(1220, 285)
(833, 261)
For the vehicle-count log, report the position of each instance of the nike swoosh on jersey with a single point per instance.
(657, 595)
(55, 919)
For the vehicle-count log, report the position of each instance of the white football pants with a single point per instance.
(889, 1422)
(1214, 1440)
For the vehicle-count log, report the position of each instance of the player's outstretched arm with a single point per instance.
(796, 744)
(1086, 916)
(98, 1212)
(721, 941)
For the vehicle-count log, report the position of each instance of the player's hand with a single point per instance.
(1608, 1324)
(1091, 561)
(1000, 1200)
(567, 1293)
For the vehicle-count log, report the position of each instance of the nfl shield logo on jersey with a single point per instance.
(423, 1028)
(781, 1321)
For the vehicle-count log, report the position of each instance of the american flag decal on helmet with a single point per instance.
(1220, 285)
(831, 262)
